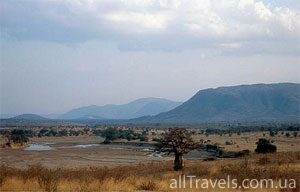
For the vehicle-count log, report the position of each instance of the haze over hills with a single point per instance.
(7, 116)
(29, 117)
(258, 102)
(134, 109)
(243, 103)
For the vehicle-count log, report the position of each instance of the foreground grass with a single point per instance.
(151, 177)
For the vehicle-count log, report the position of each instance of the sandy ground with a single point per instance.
(66, 154)
(248, 141)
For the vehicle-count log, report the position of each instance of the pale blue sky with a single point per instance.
(61, 54)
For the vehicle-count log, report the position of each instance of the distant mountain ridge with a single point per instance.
(258, 102)
(134, 109)
(242, 103)
(29, 117)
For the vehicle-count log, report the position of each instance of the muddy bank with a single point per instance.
(136, 144)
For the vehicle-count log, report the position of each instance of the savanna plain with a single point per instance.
(87, 162)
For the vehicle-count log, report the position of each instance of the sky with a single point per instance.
(57, 55)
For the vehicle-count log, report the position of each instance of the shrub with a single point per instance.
(200, 169)
(263, 161)
(143, 138)
(32, 172)
(155, 139)
(210, 159)
(238, 171)
(3, 175)
(243, 153)
(295, 134)
(100, 173)
(49, 179)
(228, 143)
(264, 146)
(84, 180)
(111, 134)
(147, 186)
(17, 136)
(212, 147)
(106, 141)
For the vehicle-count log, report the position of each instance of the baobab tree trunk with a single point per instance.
(178, 162)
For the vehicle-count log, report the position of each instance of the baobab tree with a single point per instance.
(179, 142)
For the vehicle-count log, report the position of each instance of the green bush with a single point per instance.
(228, 143)
(106, 141)
(17, 136)
(264, 146)
(155, 139)
(243, 153)
(143, 138)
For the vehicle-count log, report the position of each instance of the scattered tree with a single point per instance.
(295, 134)
(179, 142)
(264, 146)
(17, 137)
(144, 138)
(228, 143)
(106, 141)
(155, 139)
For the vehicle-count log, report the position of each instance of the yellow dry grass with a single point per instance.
(248, 140)
(153, 176)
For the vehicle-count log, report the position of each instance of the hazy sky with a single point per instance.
(60, 54)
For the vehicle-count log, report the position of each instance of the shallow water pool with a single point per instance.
(37, 147)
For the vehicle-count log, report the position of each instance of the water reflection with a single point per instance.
(37, 147)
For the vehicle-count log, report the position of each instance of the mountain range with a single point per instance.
(258, 102)
(134, 109)
(29, 117)
(242, 103)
